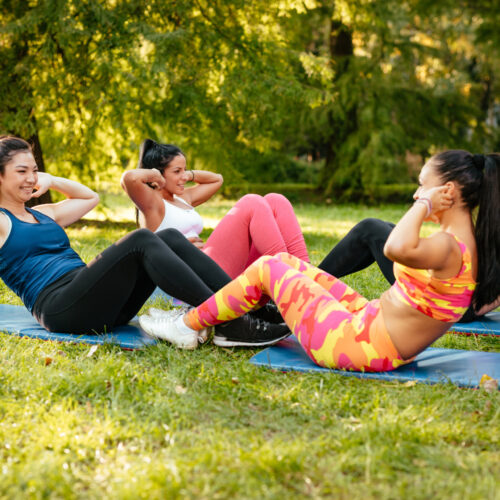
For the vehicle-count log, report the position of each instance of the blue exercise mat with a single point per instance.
(462, 368)
(489, 324)
(16, 320)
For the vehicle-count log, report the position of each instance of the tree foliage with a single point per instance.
(243, 86)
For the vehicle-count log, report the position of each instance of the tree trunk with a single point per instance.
(20, 51)
(341, 50)
(34, 140)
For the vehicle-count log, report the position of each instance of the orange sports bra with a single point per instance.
(444, 299)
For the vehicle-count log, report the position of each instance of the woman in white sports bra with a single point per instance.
(255, 225)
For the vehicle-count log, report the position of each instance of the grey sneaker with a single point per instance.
(162, 326)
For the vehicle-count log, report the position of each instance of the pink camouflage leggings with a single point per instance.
(336, 326)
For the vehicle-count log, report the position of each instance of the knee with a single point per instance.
(277, 199)
(249, 205)
(267, 259)
(370, 227)
(171, 234)
(142, 234)
(138, 239)
(250, 200)
(281, 256)
(172, 237)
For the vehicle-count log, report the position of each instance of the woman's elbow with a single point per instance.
(392, 250)
(387, 251)
(94, 199)
(400, 251)
(126, 179)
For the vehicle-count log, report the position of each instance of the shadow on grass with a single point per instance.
(104, 224)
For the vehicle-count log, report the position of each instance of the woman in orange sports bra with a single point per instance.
(437, 278)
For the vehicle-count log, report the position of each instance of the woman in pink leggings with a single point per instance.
(254, 226)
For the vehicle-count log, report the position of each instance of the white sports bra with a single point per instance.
(187, 220)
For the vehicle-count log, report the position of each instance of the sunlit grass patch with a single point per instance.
(165, 423)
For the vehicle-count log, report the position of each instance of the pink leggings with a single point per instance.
(255, 226)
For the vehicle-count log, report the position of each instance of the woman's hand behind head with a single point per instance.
(154, 179)
(441, 198)
(43, 185)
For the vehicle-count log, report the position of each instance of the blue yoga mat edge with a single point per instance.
(432, 366)
(16, 320)
(487, 325)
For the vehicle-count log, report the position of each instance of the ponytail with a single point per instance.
(155, 155)
(479, 181)
(487, 231)
(145, 146)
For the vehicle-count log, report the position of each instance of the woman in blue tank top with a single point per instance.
(66, 295)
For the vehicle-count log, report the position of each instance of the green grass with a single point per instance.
(164, 423)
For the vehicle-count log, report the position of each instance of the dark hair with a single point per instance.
(155, 155)
(9, 147)
(479, 181)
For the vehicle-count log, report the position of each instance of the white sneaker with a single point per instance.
(158, 313)
(163, 327)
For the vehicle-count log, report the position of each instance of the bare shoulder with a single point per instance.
(443, 238)
(46, 209)
(446, 244)
(451, 242)
(186, 198)
(5, 227)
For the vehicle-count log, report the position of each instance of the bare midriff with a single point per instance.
(410, 330)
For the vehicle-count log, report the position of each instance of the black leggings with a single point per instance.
(363, 245)
(110, 290)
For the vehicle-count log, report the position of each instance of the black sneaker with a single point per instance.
(249, 331)
(269, 312)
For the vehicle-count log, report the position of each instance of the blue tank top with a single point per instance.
(35, 255)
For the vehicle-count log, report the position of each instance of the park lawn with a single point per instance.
(162, 423)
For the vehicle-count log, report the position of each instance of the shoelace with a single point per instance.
(169, 318)
(261, 324)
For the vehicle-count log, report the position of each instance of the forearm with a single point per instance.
(204, 177)
(79, 199)
(207, 184)
(139, 176)
(72, 189)
(405, 236)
